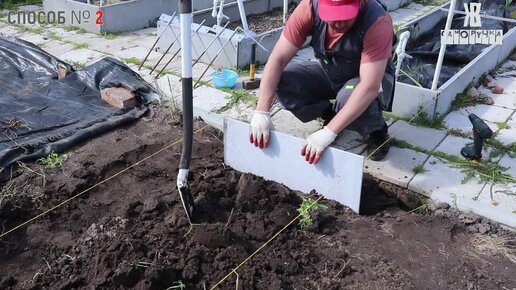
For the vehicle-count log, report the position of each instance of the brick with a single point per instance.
(119, 97)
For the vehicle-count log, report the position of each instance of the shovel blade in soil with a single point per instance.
(337, 176)
(187, 200)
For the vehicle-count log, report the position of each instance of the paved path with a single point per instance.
(425, 160)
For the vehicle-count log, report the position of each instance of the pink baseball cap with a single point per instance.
(337, 10)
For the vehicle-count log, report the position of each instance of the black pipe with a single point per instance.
(185, 7)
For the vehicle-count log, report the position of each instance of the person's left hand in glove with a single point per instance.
(316, 143)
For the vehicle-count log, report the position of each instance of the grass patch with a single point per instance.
(239, 97)
(178, 285)
(461, 100)
(77, 65)
(132, 60)
(54, 36)
(77, 29)
(484, 171)
(502, 125)
(108, 35)
(52, 161)
(24, 28)
(421, 119)
(419, 169)
(80, 45)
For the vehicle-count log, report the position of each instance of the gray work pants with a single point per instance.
(305, 90)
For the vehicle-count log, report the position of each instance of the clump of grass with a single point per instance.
(80, 45)
(52, 161)
(461, 100)
(77, 65)
(132, 60)
(54, 36)
(108, 35)
(419, 169)
(238, 97)
(77, 29)
(421, 119)
(502, 125)
(307, 207)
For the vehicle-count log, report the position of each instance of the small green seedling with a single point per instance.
(307, 207)
(177, 285)
(52, 161)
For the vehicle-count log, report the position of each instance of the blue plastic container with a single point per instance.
(225, 79)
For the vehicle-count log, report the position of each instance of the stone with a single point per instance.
(443, 205)
(483, 228)
(119, 97)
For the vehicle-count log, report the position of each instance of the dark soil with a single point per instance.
(259, 23)
(131, 232)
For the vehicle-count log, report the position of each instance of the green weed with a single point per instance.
(77, 65)
(77, 29)
(461, 100)
(502, 125)
(419, 169)
(108, 35)
(421, 119)
(307, 207)
(52, 161)
(132, 60)
(80, 45)
(54, 36)
(239, 97)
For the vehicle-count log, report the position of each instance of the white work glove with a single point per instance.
(316, 143)
(261, 124)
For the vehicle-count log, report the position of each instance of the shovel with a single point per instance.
(185, 9)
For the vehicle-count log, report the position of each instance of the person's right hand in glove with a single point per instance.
(261, 124)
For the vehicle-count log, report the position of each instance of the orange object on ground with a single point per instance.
(497, 90)
(119, 97)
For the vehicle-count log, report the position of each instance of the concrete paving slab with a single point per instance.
(138, 53)
(210, 99)
(452, 145)
(34, 38)
(171, 89)
(57, 48)
(442, 182)
(83, 56)
(497, 203)
(397, 166)
(150, 31)
(426, 138)
(337, 176)
(507, 136)
(9, 31)
(284, 121)
(109, 45)
(77, 37)
(350, 141)
(509, 163)
(306, 53)
(507, 101)
(458, 120)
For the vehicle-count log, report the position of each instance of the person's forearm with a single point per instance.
(357, 103)
(268, 84)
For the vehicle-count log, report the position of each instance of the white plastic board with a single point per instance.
(337, 176)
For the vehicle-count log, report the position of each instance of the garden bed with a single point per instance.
(131, 231)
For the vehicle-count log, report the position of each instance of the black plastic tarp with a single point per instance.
(40, 113)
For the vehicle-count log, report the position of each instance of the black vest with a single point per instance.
(343, 62)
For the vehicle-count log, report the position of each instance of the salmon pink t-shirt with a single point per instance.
(377, 40)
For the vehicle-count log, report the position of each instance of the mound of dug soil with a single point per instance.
(130, 232)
